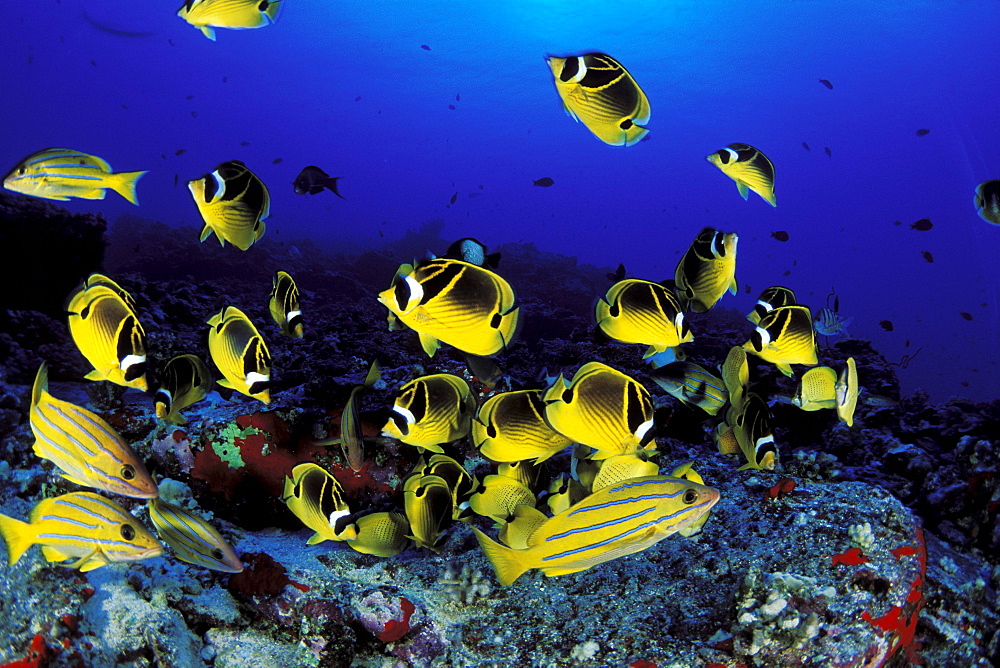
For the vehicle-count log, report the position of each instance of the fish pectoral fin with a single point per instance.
(429, 344)
(96, 375)
(205, 232)
(785, 369)
(209, 32)
(77, 481)
(84, 562)
(733, 287)
(316, 538)
(52, 553)
(744, 191)
(225, 383)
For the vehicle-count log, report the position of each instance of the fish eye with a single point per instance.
(128, 531)
(128, 472)
(217, 554)
(690, 496)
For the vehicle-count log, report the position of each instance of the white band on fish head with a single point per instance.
(130, 360)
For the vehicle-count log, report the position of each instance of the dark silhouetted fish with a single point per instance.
(826, 83)
(965, 315)
(544, 182)
(618, 274)
(312, 180)
(828, 152)
(425, 47)
(780, 235)
(922, 225)
(927, 256)
(806, 146)
(886, 325)
(923, 131)
(454, 197)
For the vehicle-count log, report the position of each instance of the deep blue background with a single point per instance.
(715, 73)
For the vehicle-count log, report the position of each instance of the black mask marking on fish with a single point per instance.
(440, 280)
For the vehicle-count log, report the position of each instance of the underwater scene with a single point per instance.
(648, 335)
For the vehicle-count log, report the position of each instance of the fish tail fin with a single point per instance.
(331, 185)
(18, 536)
(374, 374)
(123, 183)
(41, 384)
(504, 560)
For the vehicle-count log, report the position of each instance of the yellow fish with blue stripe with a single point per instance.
(785, 336)
(707, 270)
(61, 173)
(431, 410)
(206, 15)
(511, 427)
(602, 408)
(186, 381)
(192, 539)
(316, 498)
(749, 167)
(86, 449)
(455, 302)
(83, 526)
(233, 203)
(637, 311)
(284, 305)
(240, 353)
(107, 332)
(597, 90)
(613, 522)
(692, 384)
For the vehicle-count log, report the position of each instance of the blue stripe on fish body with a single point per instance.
(60, 518)
(632, 499)
(601, 525)
(123, 546)
(82, 420)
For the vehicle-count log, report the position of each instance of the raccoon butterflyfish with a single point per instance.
(108, 334)
(692, 384)
(582, 468)
(428, 504)
(736, 375)
(185, 381)
(498, 495)
(87, 450)
(472, 251)
(206, 15)
(987, 201)
(431, 410)
(86, 527)
(240, 354)
(61, 173)
(770, 299)
(847, 392)
(563, 492)
(785, 336)
(381, 534)
(531, 475)
(637, 311)
(817, 389)
(602, 408)
(748, 167)
(100, 279)
(511, 427)
(233, 203)
(454, 474)
(461, 304)
(597, 90)
(623, 467)
(752, 429)
(284, 305)
(610, 523)
(707, 270)
(312, 180)
(830, 323)
(685, 472)
(316, 498)
(192, 539)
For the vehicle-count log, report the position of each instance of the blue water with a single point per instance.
(715, 73)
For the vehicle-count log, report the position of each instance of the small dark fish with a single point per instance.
(829, 153)
(194, 114)
(927, 256)
(276, 161)
(788, 272)
(897, 223)
(124, 106)
(225, 79)
(170, 42)
(826, 83)
(312, 180)
(922, 225)
(425, 47)
(189, 97)
(357, 99)
(458, 98)
(907, 344)
(176, 176)
(747, 288)
(180, 151)
(886, 325)
(923, 131)
(966, 315)
(806, 146)
(780, 235)
(618, 274)
(452, 107)
(454, 197)
(544, 182)
(244, 143)
(94, 63)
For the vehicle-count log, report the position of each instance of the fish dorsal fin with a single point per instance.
(41, 385)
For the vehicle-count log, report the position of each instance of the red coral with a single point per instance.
(783, 488)
(649, 664)
(851, 557)
(262, 576)
(37, 657)
(905, 551)
(394, 630)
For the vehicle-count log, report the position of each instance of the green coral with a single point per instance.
(226, 446)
